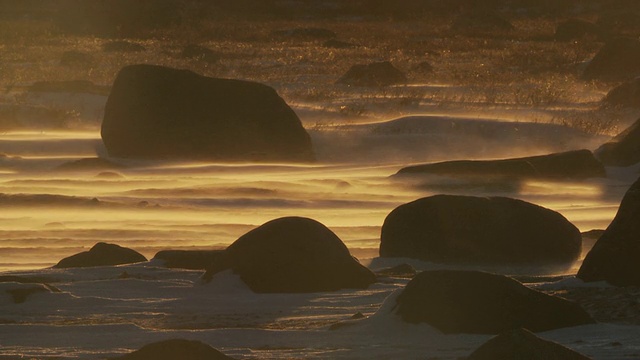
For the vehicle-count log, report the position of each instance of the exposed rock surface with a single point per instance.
(292, 255)
(520, 344)
(622, 150)
(615, 257)
(618, 59)
(578, 164)
(482, 303)
(374, 74)
(155, 112)
(188, 259)
(102, 254)
(175, 349)
(478, 230)
(626, 94)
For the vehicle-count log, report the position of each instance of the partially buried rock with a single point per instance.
(89, 164)
(615, 257)
(176, 349)
(520, 344)
(479, 230)
(374, 74)
(20, 292)
(188, 259)
(102, 254)
(618, 59)
(622, 150)
(626, 94)
(74, 58)
(292, 255)
(155, 112)
(578, 164)
(475, 302)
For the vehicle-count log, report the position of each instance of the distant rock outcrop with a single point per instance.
(520, 344)
(374, 74)
(578, 164)
(626, 94)
(622, 150)
(475, 302)
(154, 112)
(292, 255)
(188, 259)
(576, 29)
(615, 257)
(618, 59)
(102, 254)
(175, 349)
(480, 230)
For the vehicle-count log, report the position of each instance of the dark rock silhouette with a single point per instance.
(576, 29)
(520, 344)
(292, 255)
(155, 112)
(479, 22)
(122, 46)
(374, 74)
(175, 349)
(423, 68)
(618, 59)
(622, 150)
(578, 164)
(188, 259)
(74, 58)
(201, 53)
(615, 257)
(475, 302)
(338, 44)
(88, 164)
(627, 94)
(102, 254)
(468, 229)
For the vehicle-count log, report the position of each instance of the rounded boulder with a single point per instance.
(479, 230)
(155, 112)
(293, 255)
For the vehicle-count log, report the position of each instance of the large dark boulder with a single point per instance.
(615, 257)
(175, 349)
(576, 29)
(622, 150)
(188, 259)
(627, 94)
(479, 230)
(155, 112)
(293, 255)
(102, 254)
(578, 164)
(476, 302)
(520, 344)
(374, 74)
(618, 59)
